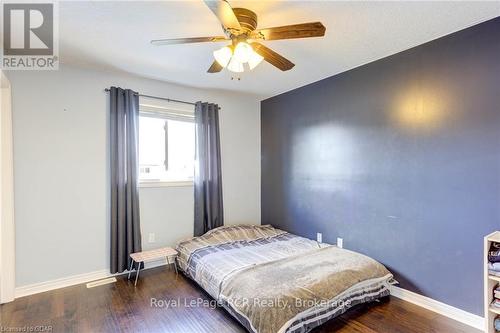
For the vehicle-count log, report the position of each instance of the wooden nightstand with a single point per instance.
(141, 257)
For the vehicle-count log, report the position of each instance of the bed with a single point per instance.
(273, 281)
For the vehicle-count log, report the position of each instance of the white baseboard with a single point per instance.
(439, 307)
(71, 281)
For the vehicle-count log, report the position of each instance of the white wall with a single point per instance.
(61, 169)
(166, 212)
(7, 228)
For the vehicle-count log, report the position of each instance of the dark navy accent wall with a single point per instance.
(400, 157)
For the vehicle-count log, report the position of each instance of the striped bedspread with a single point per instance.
(213, 257)
(260, 274)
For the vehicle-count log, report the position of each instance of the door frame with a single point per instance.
(7, 227)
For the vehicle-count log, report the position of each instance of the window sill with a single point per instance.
(147, 184)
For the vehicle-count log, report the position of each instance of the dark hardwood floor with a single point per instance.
(120, 307)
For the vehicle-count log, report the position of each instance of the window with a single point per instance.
(166, 143)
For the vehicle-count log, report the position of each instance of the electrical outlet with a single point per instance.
(151, 237)
(319, 237)
(340, 242)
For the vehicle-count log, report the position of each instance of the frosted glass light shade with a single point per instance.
(242, 52)
(235, 66)
(254, 60)
(223, 56)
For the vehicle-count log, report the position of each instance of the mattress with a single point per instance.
(274, 281)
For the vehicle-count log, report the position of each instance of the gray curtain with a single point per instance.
(125, 224)
(208, 209)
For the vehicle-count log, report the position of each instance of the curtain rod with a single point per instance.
(162, 98)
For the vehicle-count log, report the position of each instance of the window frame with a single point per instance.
(158, 111)
(165, 183)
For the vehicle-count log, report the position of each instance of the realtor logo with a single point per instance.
(29, 36)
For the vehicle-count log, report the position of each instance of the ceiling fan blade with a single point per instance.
(222, 9)
(272, 57)
(303, 30)
(215, 68)
(172, 41)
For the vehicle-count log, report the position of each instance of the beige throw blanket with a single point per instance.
(271, 296)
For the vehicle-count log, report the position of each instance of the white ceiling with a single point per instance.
(115, 35)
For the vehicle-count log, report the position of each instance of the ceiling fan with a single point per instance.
(240, 27)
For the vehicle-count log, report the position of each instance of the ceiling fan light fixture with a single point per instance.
(242, 52)
(254, 60)
(240, 26)
(235, 66)
(223, 56)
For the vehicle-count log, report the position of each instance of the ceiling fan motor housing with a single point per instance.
(247, 19)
